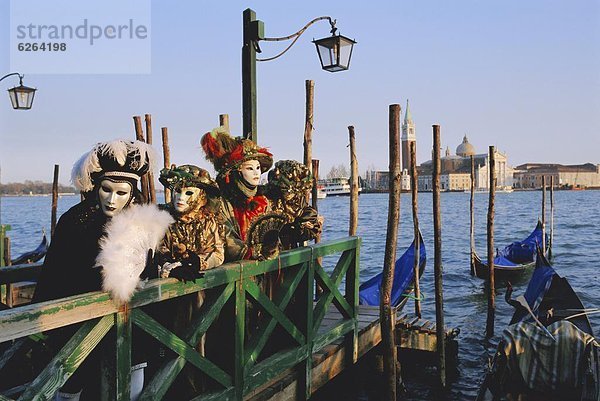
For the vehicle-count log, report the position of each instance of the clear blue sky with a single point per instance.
(521, 75)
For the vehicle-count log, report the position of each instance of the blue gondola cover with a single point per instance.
(370, 291)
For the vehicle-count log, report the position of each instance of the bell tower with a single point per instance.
(408, 135)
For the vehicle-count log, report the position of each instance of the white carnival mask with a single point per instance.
(250, 171)
(187, 198)
(114, 196)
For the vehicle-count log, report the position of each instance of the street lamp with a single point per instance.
(334, 54)
(21, 96)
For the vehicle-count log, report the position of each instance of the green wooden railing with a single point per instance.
(300, 269)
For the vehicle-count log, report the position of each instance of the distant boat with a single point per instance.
(339, 186)
(321, 194)
(514, 259)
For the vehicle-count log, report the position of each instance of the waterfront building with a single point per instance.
(377, 180)
(455, 174)
(577, 176)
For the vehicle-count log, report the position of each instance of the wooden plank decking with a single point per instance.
(328, 362)
(411, 333)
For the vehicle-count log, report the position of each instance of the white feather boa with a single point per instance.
(124, 248)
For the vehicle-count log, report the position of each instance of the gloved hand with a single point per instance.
(151, 269)
(308, 224)
(185, 273)
(189, 269)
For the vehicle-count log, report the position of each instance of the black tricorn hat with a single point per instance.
(117, 160)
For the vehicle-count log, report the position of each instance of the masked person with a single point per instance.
(192, 244)
(288, 187)
(289, 184)
(107, 176)
(239, 164)
(197, 233)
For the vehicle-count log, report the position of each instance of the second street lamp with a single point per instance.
(334, 54)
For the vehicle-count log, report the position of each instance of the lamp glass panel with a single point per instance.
(13, 99)
(345, 52)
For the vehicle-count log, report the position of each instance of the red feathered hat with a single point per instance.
(227, 153)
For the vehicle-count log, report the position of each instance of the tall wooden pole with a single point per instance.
(253, 30)
(308, 125)
(491, 312)
(387, 320)
(166, 159)
(551, 216)
(151, 189)
(414, 183)
(437, 259)
(472, 210)
(315, 189)
(544, 214)
(353, 183)
(7, 262)
(224, 121)
(54, 201)
(139, 135)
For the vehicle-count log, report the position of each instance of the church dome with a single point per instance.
(465, 149)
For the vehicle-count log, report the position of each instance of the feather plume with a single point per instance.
(216, 144)
(116, 149)
(211, 147)
(81, 174)
(237, 154)
(146, 152)
(124, 248)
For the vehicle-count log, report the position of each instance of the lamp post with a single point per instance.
(21, 97)
(334, 53)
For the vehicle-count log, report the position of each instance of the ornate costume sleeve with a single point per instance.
(217, 256)
(235, 248)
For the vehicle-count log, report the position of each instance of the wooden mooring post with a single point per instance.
(6, 255)
(386, 311)
(315, 175)
(544, 214)
(224, 121)
(437, 258)
(308, 122)
(308, 125)
(472, 214)
(54, 201)
(150, 174)
(414, 188)
(353, 183)
(139, 135)
(491, 309)
(166, 159)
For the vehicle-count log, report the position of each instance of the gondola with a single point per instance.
(35, 255)
(548, 352)
(513, 260)
(369, 291)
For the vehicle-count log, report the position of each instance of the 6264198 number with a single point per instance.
(43, 47)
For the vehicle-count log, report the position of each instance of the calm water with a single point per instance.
(577, 222)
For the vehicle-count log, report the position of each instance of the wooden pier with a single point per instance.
(333, 333)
